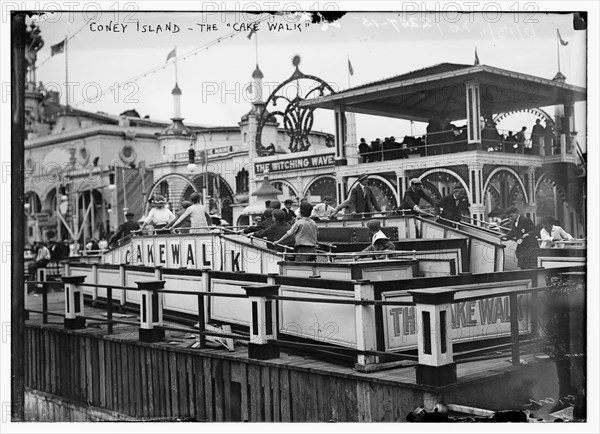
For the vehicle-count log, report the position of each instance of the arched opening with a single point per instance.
(320, 187)
(503, 189)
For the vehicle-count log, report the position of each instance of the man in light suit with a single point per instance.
(362, 200)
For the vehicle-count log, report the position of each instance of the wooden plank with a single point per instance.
(217, 374)
(321, 394)
(198, 366)
(267, 400)
(189, 369)
(101, 373)
(95, 370)
(285, 395)
(376, 395)
(122, 368)
(138, 386)
(132, 369)
(275, 388)
(168, 385)
(109, 374)
(349, 398)
(145, 381)
(388, 403)
(156, 374)
(174, 386)
(208, 390)
(254, 397)
(46, 361)
(228, 415)
(243, 380)
(52, 366)
(182, 380)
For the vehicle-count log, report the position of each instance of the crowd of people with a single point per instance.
(443, 137)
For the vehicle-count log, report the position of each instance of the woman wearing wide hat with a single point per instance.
(159, 216)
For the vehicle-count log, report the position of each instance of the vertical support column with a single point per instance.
(400, 185)
(151, 314)
(263, 327)
(94, 289)
(473, 114)
(366, 334)
(476, 190)
(340, 135)
(436, 365)
(73, 302)
(342, 189)
(531, 205)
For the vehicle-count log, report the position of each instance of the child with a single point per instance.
(379, 241)
(304, 231)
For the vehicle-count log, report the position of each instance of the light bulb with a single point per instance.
(191, 167)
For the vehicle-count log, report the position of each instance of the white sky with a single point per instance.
(377, 50)
(213, 82)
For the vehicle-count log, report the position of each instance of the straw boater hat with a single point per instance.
(159, 200)
(362, 177)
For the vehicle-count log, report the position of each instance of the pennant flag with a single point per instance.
(57, 48)
(173, 53)
(350, 68)
(560, 39)
(476, 58)
(251, 33)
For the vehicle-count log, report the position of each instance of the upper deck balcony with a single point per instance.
(463, 94)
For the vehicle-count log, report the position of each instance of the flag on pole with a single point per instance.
(251, 33)
(560, 39)
(476, 57)
(172, 53)
(350, 68)
(57, 48)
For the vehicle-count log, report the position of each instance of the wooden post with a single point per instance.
(74, 302)
(366, 335)
(436, 365)
(41, 275)
(151, 314)
(264, 325)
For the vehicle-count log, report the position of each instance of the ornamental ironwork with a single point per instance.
(297, 121)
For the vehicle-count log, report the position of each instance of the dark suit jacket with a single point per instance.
(527, 250)
(452, 210)
(412, 198)
(124, 230)
(289, 214)
(360, 202)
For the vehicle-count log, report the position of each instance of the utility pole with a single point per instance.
(17, 223)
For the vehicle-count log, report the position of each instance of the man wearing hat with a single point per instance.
(523, 231)
(324, 210)
(125, 228)
(290, 214)
(413, 197)
(454, 206)
(379, 241)
(159, 216)
(362, 200)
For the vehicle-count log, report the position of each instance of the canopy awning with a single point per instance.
(440, 90)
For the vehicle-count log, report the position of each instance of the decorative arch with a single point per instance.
(550, 197)
(513, 173)
(547, 178)
(454, 175)
(324, 185)
(385, 192)
(280, 184)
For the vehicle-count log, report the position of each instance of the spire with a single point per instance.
(255, 89)
(266, 191)
(176, 92)
(257, 73)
